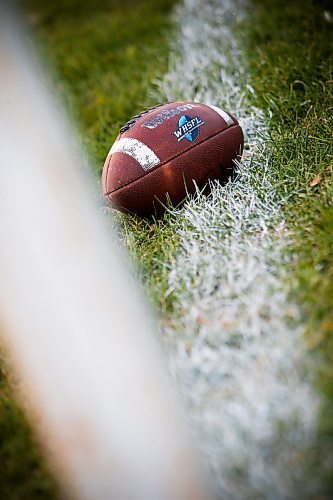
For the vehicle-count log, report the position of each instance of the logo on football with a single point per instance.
(188, 127)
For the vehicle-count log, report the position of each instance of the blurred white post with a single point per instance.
(77, 331)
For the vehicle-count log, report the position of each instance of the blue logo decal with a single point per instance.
(188, 127)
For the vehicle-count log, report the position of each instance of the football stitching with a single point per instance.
(166, 161)
(128, 125)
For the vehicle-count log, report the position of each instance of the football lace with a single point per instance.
(135, 118)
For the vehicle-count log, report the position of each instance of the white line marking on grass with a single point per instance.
(236, 341)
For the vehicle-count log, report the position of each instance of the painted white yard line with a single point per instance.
(236, 342)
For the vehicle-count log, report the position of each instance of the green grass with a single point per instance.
(23, 475)
(151, 245)
(290, 54)
(291, 67)
(105, 56)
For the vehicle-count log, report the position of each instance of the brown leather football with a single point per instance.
(164, 152)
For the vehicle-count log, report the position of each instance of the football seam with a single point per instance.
(165, 162)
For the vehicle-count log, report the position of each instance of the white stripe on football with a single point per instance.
(137, 150)
(222, 114)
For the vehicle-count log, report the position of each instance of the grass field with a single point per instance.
(106, 73)
(290, 56)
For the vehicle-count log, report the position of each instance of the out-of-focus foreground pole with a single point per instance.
(75, 325)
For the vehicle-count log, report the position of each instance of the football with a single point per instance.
(163, 153)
